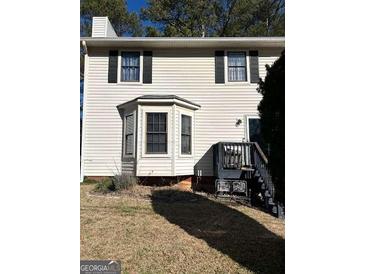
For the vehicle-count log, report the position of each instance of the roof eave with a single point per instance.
(156, 42)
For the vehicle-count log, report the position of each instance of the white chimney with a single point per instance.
(102, 28)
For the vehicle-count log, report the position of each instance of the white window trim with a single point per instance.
(247, 67)
(119, 76)
(157, 109)
(248, 126)
(191, 114)
(129, 156)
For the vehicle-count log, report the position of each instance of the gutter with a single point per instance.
(184, 42)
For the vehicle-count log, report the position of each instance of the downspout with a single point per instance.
(86, 62)
(84, 46)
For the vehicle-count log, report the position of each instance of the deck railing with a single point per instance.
(236, 155)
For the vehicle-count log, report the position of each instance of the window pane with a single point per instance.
(162, 138)
(155, 147)
(231, 74)
(162, 127)
(162, 117)
(236, 58)
(149, 147)
(244, 74)
(149, 127)
(186, 144)
(239, 73)
(162, 148)
(185, 124)
(124, 60)
(149, 137)
(188, 125)
(149, 118)
(155, 121)
(183, 144)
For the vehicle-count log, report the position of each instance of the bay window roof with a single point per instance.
(161, 99)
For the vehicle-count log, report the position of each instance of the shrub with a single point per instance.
(105, 186)
(123, 181)
(272, 113)
(89, 181)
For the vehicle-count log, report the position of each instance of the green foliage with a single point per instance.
(217, 17)
(115, 183)
(105, 186)
(88, 181)
(123, 181)
(152, 32)
(124, 22)
(272, 113)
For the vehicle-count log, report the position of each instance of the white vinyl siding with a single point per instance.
(188, 73)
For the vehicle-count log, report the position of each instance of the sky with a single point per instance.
(135, 5)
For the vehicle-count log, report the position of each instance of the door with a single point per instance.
(254, 132)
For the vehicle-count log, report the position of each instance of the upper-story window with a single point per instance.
(130, 66)
(237, 66)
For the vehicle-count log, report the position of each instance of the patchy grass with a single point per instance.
(164, 230)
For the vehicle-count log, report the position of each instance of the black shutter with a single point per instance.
(113, 66)
(254, 66)
(219, 67)
(147, 67)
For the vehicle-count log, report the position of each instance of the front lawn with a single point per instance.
(164, 230)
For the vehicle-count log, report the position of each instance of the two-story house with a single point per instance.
(155, 106)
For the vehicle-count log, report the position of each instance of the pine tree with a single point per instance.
(216, 17)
